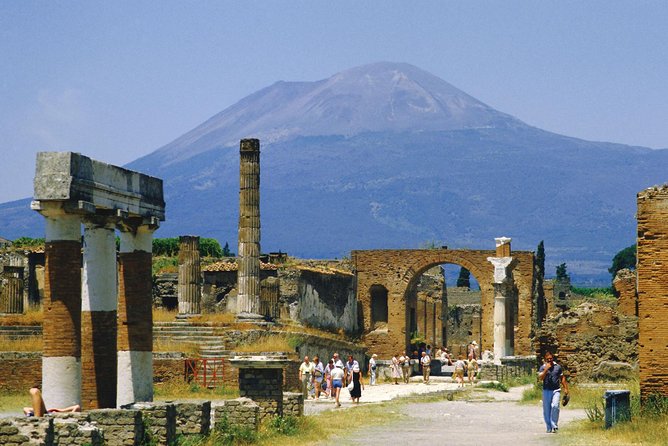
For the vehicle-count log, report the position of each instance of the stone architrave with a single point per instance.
(71, 188)
(190, 273)
(503, 291)
(248, 297)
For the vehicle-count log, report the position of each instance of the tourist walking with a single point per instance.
(460, 365)
(372, 370)
(350, 364)
(395, 368)
(472, 370)
(473, 350)
(337, 361)
(337, 383)
(425, 361)
(405, 362)
(305, 374)
(358, 385)
(318, 376)
(552, 376)
(328, 378)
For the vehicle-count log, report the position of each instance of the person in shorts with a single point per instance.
(337, 383)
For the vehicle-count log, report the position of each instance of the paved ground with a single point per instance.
(489, 418)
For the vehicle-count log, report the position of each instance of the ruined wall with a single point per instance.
(327, 300)
(463, 326)
(627, 295)
(652, 268)
(429, 308)
(584, 336)
(398, 270)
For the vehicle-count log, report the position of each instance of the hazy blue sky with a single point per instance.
(116, 80)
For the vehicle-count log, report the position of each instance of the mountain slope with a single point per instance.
(388, 156)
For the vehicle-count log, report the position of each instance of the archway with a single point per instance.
(396, 271)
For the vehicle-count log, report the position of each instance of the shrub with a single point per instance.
(284, 425)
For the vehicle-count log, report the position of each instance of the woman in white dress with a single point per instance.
(396, 369)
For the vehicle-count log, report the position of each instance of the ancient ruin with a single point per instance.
(97, 336)
(652, 269)
(189, 287)
(248, 301)
(389, 316)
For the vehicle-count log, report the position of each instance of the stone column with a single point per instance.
(11, 298)
(503, 289)
(189, 291)
(248, 300)
(135, 317)
(269, 294)
(61, 353)
(98, 315)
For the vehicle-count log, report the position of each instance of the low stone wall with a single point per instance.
(510, 367)
(160, 420)
(59, 430)
(193, 418)
(242, 412)
(121, 427)
(293, 404)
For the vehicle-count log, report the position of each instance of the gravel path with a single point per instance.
(487, 418)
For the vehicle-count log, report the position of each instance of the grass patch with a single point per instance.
(168, 345)
(279, 342)
(165, 264)
(22, 344)
(178, 389)
(495, 385)
(14, 401)
(32, 316)
(164, 315)
(215, 319)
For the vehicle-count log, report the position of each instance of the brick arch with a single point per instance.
(397, 270)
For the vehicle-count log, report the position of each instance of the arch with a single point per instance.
(398, 271)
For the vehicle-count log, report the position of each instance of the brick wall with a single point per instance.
(652, 268)
(19, 371)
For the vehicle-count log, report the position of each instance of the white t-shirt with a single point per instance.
(337, 373)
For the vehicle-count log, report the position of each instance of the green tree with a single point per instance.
(562, 274)
(28, 242)
(226, 250)
(464, 279)
(626, 258)
(210, 247)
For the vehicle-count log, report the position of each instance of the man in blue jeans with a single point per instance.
(552, 376)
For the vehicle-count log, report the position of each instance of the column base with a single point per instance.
(250, 317)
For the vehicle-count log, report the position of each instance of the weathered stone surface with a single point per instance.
(625, 286)
(584, 336)
(613, 371)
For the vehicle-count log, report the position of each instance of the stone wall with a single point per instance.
(121, 427)
(652, 268)
(463, 326)
(293, 404)
(242, 412)
(264, 387)
(627, 295)
(327, 300)
(584, 336)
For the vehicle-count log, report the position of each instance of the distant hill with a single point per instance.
(389, 156)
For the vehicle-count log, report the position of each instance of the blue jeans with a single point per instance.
(551, 399)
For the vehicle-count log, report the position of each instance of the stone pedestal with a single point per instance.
(261, 379)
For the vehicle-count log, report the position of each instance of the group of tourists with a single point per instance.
(326, 380)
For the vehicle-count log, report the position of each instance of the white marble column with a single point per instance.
(503, 285)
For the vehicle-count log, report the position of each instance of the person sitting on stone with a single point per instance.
(39, 409)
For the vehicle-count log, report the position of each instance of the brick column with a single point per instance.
(135, 318)
(98, 316)
(248, 300)
(189, 291)
(652, 270)
(61, 354)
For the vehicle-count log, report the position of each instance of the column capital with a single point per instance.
(503, 267)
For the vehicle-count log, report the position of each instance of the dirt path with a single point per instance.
(488, 418)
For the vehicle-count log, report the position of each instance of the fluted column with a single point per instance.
(189, 291)
(135, 318)
(11, 298)
(61, 353)
(248, 300)
(98, 315)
